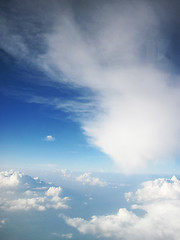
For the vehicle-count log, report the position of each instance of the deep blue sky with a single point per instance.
(24, 126)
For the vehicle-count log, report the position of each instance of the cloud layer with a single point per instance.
(160, 201)
(119, 51)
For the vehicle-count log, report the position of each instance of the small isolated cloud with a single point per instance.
(86, 178)
(2, 222)
(30, 193)
(159, 199)
(50, 138)
(66, 235)
(66, 173)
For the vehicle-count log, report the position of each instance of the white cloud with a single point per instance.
(86, 178)
(24, 204)
(50, 138)
(159, 189)
(119, 54)
(66, 173)
(137, 103)
(66, 235)
(161, 220)
(54, 191)
(10, 179)
(29, 193)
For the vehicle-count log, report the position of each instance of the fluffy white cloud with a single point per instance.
(24, 204)
(10, 178)
(159, 189)
(29, 193)
(160, 221)
(50, 138)
(86, 178)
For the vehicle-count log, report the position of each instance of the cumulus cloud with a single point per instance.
(9, 179)
(159, 189)
(50, 138)
(161, 218)
(86, 178)
(30, 194)
(119, 51)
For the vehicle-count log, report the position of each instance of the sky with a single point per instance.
(101, 78)
(90, 119)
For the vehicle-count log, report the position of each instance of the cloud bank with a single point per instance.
(21, 192)
(160, 199)
(119, 51)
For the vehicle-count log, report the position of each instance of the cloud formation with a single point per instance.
(138, 103)
(160, 221)
(29, 193)
(9, 178)
(65, 235)
(50, 138)
(119, 51)
(86, 178)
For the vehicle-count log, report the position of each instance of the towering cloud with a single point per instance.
(120, 51)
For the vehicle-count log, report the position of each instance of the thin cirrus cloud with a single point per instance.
(160, 201)
(120, 54)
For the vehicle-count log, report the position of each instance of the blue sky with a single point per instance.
(25, 124)
(90, 119)
(102, 79)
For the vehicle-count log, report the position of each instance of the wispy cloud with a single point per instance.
(65, 235)
(120, 54)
